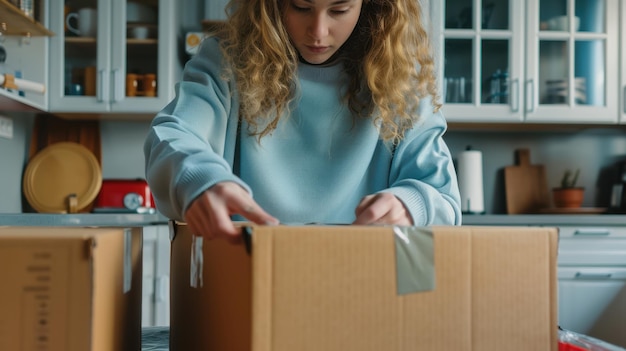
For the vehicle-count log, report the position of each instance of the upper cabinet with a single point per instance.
(540, 61)
(112, 56)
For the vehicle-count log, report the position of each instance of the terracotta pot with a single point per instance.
(568, 197)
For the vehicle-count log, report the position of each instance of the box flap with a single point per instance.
(334, 288)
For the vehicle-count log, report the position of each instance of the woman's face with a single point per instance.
(318, 28)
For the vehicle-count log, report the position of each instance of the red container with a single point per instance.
(564, 346)
(124, 195)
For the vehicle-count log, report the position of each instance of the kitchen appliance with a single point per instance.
(618, 190)
(124, 196)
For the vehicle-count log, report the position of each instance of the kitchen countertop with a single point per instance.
(135, 219)
(82, 219)
(546, 219)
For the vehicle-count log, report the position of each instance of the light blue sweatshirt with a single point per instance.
(315, 167)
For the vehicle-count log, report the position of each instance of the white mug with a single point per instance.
(87, 19)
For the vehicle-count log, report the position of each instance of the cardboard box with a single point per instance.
(70, 289)
(338, 288)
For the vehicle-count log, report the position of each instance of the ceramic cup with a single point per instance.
(86, 22)
(132, 84)
(149, 84)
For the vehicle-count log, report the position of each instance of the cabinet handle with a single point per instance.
(118, 89)
(102, 86)
(515, 94)
(530, 95)
(581, 275)
(594, 232)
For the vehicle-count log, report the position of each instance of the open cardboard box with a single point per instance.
(339, 288)
(70, 289)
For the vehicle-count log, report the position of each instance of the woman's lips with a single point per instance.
(317, 49)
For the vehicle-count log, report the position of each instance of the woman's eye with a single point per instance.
(298, 8)
(339, 11)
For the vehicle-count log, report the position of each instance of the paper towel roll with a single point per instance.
(470, 174)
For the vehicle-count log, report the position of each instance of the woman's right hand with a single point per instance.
(209, 214)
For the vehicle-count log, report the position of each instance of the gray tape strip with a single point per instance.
(197, 260)
(415, 265)
(128, 259)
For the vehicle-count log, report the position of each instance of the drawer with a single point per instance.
(592, 247)
(592, 232)
(592, 273)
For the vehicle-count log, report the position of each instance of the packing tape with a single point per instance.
(415, 259)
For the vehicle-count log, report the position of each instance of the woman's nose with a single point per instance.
(318, 28)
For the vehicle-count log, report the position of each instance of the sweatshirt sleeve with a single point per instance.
(190, 144)
(422, 173)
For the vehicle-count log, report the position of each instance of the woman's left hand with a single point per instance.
(382, 208)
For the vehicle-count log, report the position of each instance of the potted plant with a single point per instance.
(568, 195)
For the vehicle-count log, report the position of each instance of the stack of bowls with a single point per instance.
(558, 91)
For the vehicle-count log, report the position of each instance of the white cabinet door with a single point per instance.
(592, 281)
(537, 61)
(592, 301)
(479, 47)
(156, 276)
(571, 61)
(126, 63)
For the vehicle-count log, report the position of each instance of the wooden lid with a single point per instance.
(63, 177)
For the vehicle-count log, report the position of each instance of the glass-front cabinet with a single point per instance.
(111, 56)
(544, 61)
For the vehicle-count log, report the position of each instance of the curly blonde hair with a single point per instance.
(389, 61)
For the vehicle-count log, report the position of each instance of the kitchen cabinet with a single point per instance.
(112, 56)
(592, 282)
(534, 61)
(156, 276)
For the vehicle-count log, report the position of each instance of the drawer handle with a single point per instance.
(596, 232)
(598, 276)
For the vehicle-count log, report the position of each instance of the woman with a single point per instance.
(325, 110)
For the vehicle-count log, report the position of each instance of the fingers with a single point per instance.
(382, 208)
(210, 214)
(254, 213)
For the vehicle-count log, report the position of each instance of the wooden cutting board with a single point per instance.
(49, 129)
(525, 185)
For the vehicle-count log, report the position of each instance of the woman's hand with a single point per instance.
(382, 208)
(209, 214)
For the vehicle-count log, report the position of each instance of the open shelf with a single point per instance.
(14, 22)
